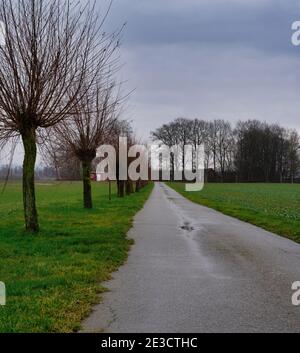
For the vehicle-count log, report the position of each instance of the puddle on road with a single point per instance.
(187, 227)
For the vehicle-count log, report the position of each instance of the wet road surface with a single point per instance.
(193, 269)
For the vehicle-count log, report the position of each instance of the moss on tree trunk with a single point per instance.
(87, 187)
(30, 211)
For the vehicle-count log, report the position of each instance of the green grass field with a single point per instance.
(53, 278)
(274, 207)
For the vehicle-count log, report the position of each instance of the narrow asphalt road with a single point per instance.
(193, 269)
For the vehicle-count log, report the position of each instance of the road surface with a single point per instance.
(193, 269)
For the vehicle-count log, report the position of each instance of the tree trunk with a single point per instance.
(87, 187)
(138, 186)
(129, 187)
(30, 211)
(118, 188)
(172, 173)
(121, 188)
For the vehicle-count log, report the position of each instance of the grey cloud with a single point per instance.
(229, 59)
(264, 25)
(239, 84)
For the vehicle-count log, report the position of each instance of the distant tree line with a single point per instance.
(251, 151)
(16, 173)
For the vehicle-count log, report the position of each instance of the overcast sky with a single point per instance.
(225, 59)
(229, 59)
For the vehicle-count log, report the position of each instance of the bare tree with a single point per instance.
(266, 152)
(91, 125)
(183, 129)
(51, 49)
(224, 143)
(122, 129)
(61, 159)
(293, 156)
(168, 135)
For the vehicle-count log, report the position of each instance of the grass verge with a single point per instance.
(53, 279)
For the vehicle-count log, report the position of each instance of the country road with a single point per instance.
(193, 269)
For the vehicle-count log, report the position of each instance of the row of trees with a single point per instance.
(71, 150)
(252, 151)
(58, 87)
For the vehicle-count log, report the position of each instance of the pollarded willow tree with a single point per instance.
(53, 52)
(92, 123)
